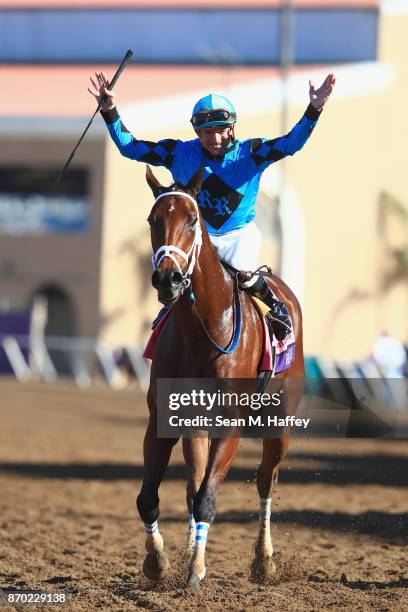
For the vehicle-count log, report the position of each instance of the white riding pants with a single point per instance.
(240, 248)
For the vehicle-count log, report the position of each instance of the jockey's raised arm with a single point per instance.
(154, 153)
(159, 153)
(267, 151)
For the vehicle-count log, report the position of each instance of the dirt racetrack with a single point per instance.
(70, 468)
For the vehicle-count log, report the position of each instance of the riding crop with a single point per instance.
(116, 76)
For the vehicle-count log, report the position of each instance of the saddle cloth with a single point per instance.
(276, 356)
(148, 353)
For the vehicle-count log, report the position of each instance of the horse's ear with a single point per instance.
(194, 184)
(152, 181)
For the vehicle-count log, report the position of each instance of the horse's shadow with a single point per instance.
(331, 469)
(385, 526)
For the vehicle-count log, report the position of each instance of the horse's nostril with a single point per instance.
(156, 278)
(166, 278)
(176, 278)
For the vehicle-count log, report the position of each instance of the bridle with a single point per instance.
(167, 250)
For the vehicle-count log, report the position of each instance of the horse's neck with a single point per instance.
(213, 292)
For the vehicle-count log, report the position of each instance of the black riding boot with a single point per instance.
(281, 320)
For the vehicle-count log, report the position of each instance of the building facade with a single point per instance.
(333, 217)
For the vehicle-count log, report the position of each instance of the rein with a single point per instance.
(237, 324)
(194, 251)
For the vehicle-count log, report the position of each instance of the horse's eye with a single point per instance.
(194, 222)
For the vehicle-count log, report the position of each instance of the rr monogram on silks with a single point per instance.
(220, 205)
(217, 200)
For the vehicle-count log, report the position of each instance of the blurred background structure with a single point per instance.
(75, 262)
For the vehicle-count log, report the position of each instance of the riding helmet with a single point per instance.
(213, 110)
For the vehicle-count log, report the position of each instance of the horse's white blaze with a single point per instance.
(264, 542)
(197, 563)
(154, 539)
(191, 532)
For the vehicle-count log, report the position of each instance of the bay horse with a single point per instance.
(183, 255)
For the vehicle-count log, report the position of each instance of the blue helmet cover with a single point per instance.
(214, 102)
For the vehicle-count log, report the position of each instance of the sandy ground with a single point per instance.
(70, 468)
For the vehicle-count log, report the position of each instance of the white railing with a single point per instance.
(86, 360)
(366, 380)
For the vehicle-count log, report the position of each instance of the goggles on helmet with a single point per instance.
(213, 118)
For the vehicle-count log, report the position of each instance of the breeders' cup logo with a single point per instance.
(288, 356)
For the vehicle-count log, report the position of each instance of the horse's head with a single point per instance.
(176, 235)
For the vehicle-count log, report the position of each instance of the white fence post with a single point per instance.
(16, 359)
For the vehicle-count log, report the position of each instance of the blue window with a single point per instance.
(339, 35)
(185, 36)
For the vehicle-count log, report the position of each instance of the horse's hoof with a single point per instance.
(156, 565)
(263, 569)
(193, 583)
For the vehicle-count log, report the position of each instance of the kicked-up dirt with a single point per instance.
(70, 469)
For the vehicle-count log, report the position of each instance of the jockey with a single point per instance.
(232, 171)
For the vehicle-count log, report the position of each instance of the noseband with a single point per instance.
(168, 250)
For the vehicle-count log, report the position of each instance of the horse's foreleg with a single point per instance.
(222, 452)
(156, 457)
(195, 451)
(274, 450)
